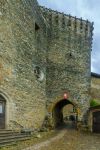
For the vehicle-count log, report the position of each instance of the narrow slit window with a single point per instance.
(36, 27)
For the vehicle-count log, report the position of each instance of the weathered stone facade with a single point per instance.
(94, 119)
(95, 87)
(43, 54)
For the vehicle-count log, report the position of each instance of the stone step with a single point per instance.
(8, 134)
(7, 137)
(13, 137)
(8, 142)
(5, 130)
(8, 131)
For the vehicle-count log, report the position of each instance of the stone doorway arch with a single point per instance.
(2, 112)
(58, 114)
(55, 112)
(4, 97)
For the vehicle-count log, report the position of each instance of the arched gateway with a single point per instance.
(56, 113)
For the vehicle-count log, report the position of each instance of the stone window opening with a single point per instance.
(70, 54)
(36, 27)
(37, 37)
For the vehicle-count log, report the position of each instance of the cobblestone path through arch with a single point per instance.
(75, 140)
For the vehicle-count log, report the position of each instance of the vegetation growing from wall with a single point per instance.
(94, 103)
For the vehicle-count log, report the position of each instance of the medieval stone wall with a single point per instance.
(68, 59)
(23, 46)
(95, 87)
(43, 54)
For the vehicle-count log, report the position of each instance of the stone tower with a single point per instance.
(44, 54)
(68, 63)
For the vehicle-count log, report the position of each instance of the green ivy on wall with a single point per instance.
(94, 103)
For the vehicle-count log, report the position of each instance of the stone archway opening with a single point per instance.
(63, 112)
(2, 112)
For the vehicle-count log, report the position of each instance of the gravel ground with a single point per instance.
(68, 138)
(75, 140)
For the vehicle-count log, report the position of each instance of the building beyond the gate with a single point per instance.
(44, 54)
(95, 87)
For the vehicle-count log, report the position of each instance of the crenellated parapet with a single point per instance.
(64, 22)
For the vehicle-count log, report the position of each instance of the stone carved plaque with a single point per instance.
(38, 73)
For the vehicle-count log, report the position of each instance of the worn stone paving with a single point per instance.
(75, 140)
(68, 138)
(49, 141)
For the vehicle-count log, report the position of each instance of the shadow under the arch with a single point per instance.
(58, 116)
(69, 125)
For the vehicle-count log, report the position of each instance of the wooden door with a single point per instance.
(96, 122)
(2, 114)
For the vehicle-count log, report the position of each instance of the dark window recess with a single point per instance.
(70, 54)
(36, 27)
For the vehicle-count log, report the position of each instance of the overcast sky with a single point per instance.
(87, 9)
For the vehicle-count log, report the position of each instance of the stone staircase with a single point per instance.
(9, 137)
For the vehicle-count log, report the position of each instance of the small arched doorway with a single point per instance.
(60, 110)
(2, 112)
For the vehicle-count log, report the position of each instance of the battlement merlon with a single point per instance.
(65, 21)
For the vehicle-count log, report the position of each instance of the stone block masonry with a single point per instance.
(22, 47)
(68, 59)
(43, 54)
